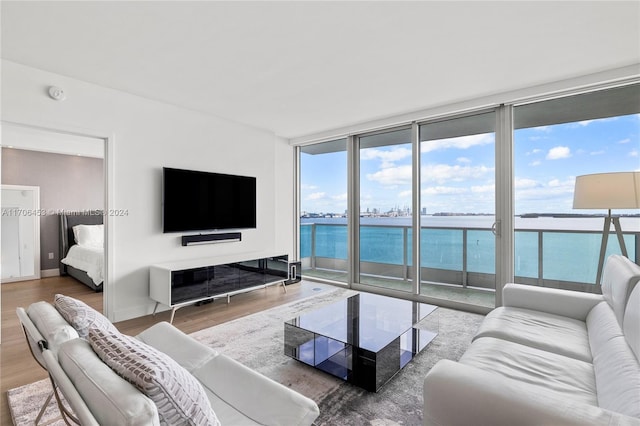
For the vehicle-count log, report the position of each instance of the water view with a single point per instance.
(569, 252)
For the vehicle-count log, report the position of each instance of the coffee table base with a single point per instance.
(367, 369)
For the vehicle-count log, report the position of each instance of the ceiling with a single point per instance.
(299, 68)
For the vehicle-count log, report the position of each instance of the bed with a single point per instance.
(82, 247)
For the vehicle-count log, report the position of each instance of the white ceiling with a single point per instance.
(297, 68)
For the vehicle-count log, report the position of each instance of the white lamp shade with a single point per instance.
(607, 191)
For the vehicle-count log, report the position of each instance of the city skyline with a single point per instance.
(458, 174)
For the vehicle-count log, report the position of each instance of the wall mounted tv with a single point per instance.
(201, 201)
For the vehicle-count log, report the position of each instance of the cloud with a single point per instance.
(306, 186)
(463, 160)
(388, 157)
(545, 129)
(441, 173)
(551, 192)
(339, 197)
(483, 189)
(534, 151)
(443, 190)
(316, 196)
(405, 194)
(633, 153)
(535, 163)
(400, 175)
(463, 142)
(523, 183)
(559, 152)
(602, 151)
(623, 141)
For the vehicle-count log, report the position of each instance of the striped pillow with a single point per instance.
(81, 316)
(179, 397)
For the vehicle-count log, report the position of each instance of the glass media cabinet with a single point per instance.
(178, 284)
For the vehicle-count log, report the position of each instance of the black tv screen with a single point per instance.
(201, 201)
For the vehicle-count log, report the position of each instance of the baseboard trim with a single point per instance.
(46, 273)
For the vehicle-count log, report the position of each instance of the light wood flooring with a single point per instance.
(17, 366)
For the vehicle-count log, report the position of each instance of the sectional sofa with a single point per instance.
(548, 357)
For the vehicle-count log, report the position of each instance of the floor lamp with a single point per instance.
(608, 191)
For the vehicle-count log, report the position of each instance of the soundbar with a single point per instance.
(227, 237)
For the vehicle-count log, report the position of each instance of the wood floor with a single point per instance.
(17, 366)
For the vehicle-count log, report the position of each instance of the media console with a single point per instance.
(178, 284)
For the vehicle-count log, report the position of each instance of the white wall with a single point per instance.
(145, 136)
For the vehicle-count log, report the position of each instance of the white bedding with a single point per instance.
(88, 259)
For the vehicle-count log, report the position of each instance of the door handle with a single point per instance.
(495, 228)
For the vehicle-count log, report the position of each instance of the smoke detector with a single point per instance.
(57, 93)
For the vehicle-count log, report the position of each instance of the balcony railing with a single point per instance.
(464, 256)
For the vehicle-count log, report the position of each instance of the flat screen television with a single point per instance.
(203, 201)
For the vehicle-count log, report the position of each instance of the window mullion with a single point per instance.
(504, 227)
(415, 242)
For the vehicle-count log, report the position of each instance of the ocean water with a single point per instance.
(566, 255)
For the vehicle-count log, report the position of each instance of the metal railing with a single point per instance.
(464, 256)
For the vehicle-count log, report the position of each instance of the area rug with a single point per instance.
(25, 403)
(257, 341)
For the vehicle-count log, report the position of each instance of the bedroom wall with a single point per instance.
(67, 183)
(145, 136)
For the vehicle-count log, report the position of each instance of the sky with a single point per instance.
(458, 174)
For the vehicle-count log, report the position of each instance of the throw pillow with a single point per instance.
(89, 235)
(179, 397)
(81, 316)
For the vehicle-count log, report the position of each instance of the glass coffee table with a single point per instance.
(364, 339)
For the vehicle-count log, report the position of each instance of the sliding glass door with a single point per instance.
(457, 195)
(385, 184)
(323, 210)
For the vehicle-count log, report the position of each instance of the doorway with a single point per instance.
(71, 170)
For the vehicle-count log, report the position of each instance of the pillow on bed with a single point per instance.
(89, 235)
(81, 316)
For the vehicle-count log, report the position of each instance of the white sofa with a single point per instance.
(548, 357)
(99, 396)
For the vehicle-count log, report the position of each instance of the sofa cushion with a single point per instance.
(549, 373)
(111, 399)
(229, 414)
(619, 277)
(187, 352)
(549, 332)
(238, 391)
(179, 397)
(51, 325)
(616, 368)
(631, 324)
(82, 316)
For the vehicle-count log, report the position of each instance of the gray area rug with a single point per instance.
(257, 341)
(25, 403)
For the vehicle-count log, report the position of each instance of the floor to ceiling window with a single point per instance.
(555, 141)
(457, 195)
(385, 209)
(458, 171)
(323, 210)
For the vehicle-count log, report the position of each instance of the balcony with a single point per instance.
(458, 263)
